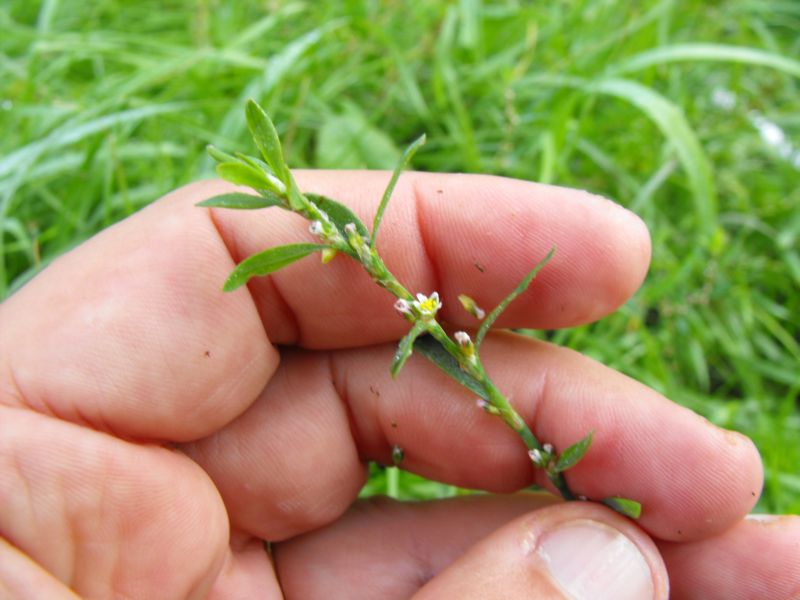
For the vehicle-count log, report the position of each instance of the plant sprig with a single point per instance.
(341, 232)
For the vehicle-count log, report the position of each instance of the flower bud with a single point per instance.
(403, 307)
(315, 227)
(471, 307)
(463, 339)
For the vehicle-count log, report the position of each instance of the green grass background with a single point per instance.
(106, 105)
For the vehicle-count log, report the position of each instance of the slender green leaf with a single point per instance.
(401, 165)
(242, 201)
(406, 345)
(268, 262)
(242, 174)
(339, 214)
(254, 162)
(570, 457)
(266, 138)
(523, 285)
(433, 351)
(709, 52)
(624, 506)
(220, 156)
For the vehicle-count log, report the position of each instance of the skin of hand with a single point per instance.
(155, 430)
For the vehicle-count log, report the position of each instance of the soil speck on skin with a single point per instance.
(680, 532)
(375, 391)
(733, 438)
(440, 191)
(207, 353)
(479, 266)
(394, 424)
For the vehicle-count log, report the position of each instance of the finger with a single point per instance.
(104, 517)
(382, 548)
(757, 558)
(20, 577)
(248, 573)
(299, 447)
(574, 551)
(130, 332)
(477, 547)
(457, 234)
(289, 463)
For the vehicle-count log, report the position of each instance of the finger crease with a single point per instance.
(419, 214)
(231, 247)
(339, 385)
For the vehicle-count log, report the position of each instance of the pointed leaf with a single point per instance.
(433, 351)
(268, 262)
(401, 165)
(570, 457)
(242, 201)
(218, 155)
(242, 174)
(405, 347)
(254, 162)
(523, 285)
(266, 138)
(624, 506)
(340, 215)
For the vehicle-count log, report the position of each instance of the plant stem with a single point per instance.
(469, 361)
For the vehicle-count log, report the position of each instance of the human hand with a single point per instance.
(152, 434)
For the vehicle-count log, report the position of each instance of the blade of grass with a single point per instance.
(673, 124)
(708, 52)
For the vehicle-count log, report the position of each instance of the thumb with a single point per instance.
(576, 551)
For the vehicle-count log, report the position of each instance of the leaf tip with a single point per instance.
(624, 506)
(233, 283)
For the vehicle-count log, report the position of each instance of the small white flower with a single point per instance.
(427, 306)
(316, 228)
(548, 448)
(462, 337)
(481, 403)
(479, 313)
(350, 229)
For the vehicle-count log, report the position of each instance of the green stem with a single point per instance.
(377, 269)
(507, 412)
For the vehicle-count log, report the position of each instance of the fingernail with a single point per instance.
(592, 561)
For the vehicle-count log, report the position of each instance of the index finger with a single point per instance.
(130, 333)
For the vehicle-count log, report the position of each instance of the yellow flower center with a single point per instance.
(428, 306)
